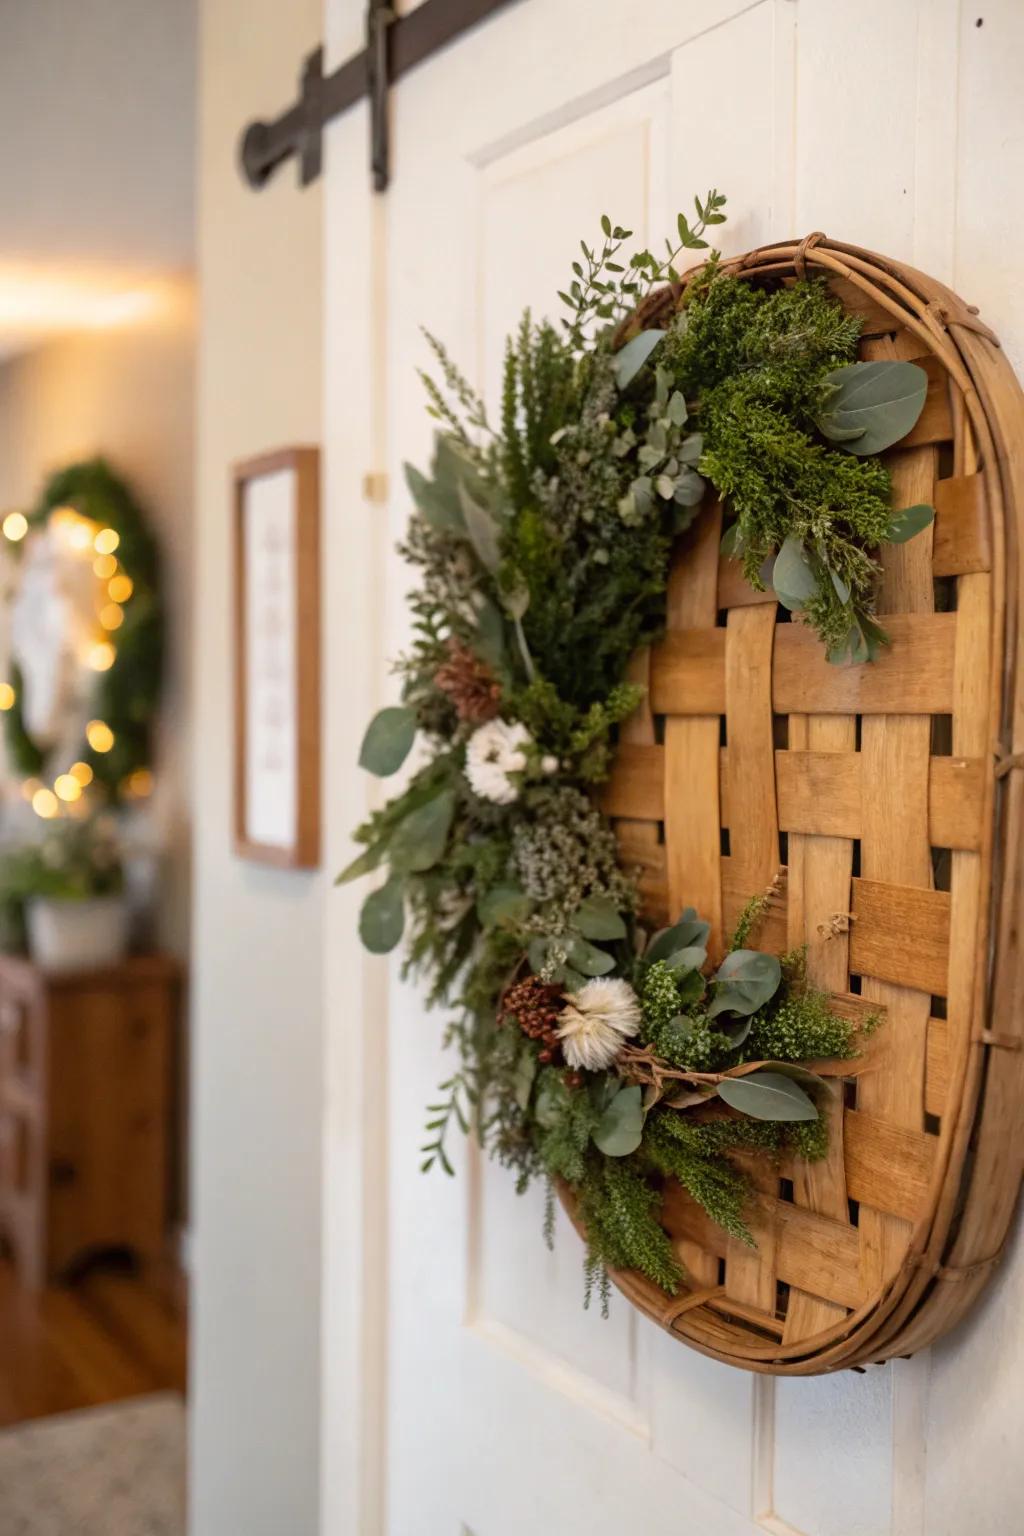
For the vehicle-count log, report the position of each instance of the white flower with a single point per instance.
(596, 1022)
(549, 764)
(494, 751)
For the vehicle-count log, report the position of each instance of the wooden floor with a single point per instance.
(110, 1335)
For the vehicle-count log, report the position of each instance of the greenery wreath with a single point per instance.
(102, 518)
(588, 1048)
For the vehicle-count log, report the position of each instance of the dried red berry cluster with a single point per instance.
(536, 1007)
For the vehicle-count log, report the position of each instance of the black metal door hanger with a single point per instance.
(394, 46)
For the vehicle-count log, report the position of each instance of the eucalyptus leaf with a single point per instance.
(736, 1030)
(686, 960)
(691, 987)
(732, 544)
(691, 448)
(745, 981)
(621, 1126)
(388, 740)
(793, 575)
(690, 487)
(515, 600)
(632, 357)
(842, 590)
(879, 402)
(382, 918)
(537, 954)
(362, 864)
(767, 1096)
(438, 506)
(490, 634)
(570, 979)
(688, 930)
(598, 918)
(419, 839)
(677, 409)
(794, 1070)
(482, 529)
(523, 1080)
(550, 1104)
(588, 959)
(503, 906)
(909, 522)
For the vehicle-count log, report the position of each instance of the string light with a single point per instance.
(121, 588)
(7, 696)
(82, 772)
(45, 804)
(101, 656)
(106, 541)
(104, 567)
(15, 526)
(67, 787)
(140, 783)
(99, 736)
(112, 616)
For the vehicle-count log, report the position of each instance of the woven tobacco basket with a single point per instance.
(891, 795)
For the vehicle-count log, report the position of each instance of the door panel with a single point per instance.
(496, 1405)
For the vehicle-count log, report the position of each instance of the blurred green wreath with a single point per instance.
(116, 753)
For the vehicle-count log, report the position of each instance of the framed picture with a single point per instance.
(277, 658)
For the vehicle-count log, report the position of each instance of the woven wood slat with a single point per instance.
(818, 792)
(903, 852)
(962, 542)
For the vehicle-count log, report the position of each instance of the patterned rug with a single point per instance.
(118, 1470)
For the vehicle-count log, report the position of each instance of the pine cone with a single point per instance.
(536, 1006)
(469, 683)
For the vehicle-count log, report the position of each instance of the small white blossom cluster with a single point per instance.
(494, 753)
(599, 1018)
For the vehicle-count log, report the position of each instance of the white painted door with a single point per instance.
(465, 1389)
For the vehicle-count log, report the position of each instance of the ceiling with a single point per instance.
(97, 103)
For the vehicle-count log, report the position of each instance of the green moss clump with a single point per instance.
(801, 1028)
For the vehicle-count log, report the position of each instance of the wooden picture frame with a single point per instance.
(276, 514)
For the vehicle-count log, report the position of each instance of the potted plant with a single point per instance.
(70, 885)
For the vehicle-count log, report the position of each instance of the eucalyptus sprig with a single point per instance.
(605, 289)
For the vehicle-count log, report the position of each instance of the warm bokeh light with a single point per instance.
(121, 587)
(15, 526)
(29, 787)
(140, 783)
(45, 804)
(106, 541)
(6, 696)
(101, 656)
(82, 772)
(67, 787)
(99, 735)
(112, 616)
(104, 567)
(41, 299)
(77, 531)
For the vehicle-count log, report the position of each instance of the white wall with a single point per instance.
(257, 935)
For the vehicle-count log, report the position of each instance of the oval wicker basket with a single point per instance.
(891, 795)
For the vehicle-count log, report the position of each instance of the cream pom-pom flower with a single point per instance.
(493, 752)
(596, 1022)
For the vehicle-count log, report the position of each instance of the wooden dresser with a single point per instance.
(86, 1082)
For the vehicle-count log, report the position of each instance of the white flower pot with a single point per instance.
(77, 935)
